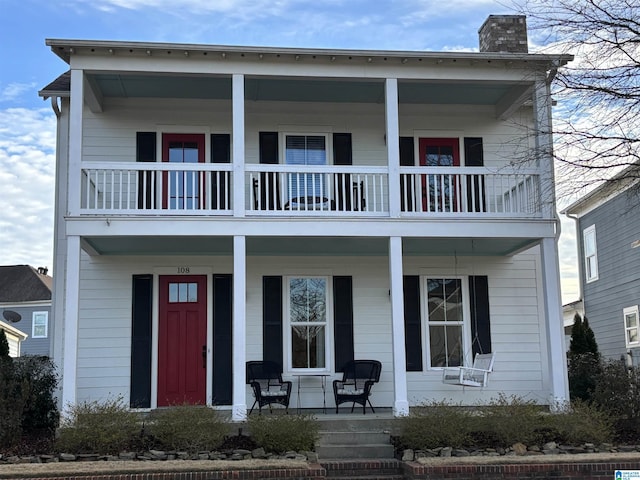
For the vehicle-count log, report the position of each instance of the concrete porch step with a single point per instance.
(354, 445)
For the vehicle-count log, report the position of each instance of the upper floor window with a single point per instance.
(40, 325)
(306, 150)
(445, 299)
(308, 344)
(631, 326)
(590, 254)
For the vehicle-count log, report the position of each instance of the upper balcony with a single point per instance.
(200, 189)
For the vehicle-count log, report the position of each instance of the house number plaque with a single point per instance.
(183, 269)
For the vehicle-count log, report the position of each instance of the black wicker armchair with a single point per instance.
(358, 378)
(265, 378)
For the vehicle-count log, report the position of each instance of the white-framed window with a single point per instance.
(40, 325)
(308, 324)
(631, 334)
(446, 309)
(590, 253)
(309, 150)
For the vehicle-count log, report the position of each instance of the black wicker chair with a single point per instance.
(265, 378)
(358, 378)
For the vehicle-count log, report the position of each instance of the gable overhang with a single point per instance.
(161, 70)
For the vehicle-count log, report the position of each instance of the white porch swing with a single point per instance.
(476, 375)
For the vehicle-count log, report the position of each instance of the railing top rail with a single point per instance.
(470, 170)
(158, 166)
(353, 169)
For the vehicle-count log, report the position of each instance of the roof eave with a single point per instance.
(62, 47)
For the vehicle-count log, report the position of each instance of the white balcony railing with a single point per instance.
(469, 190)
(296, 190)
(317, 190)
(156, 188)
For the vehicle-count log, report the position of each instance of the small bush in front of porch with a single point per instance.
(107, 427)
(437, 424)
(189, 428)
(279, 433)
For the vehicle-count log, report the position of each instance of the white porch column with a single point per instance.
(400, 402)
(71, 312)
(237, 96)
(74, 186)
(544, 147)
(393, 145)
(553, 314)
(239, 412)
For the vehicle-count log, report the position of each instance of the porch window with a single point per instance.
(445, 299)
(40, 325)
(306, 150)
(632, 338)
(307, 322)
(590, 254)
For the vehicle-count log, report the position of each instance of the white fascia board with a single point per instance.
(14, 331)
(285, 226)
(34, 303)
(452, 72)
(66, 48)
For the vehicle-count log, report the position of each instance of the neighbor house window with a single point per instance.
(40, 325)
(631, 326)
(590, 254)
(445, 299)
(307, 322)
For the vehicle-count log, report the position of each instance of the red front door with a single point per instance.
(439, 191)
(182, 340)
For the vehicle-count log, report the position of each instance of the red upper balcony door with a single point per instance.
(183, 189)
(182, 340)
(439, 191)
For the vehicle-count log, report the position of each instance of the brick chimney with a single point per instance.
(504, 33)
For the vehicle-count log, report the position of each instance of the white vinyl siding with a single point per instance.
(590, 254)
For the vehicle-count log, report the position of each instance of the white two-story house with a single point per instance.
(219, 204)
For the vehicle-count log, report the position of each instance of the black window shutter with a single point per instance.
(272, 319)
(406, 187)
(145, 152)
(222, 339)
(342, 149)
(474, 157)
(343, 320)
(412, 323)
(342, 155)
(220, 153)
(473, 152)
(268, 154)
(480, 318)
(141, 309)
(406, 152)
(220, 148)
(268, 147)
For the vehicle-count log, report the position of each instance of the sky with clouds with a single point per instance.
(27, 124)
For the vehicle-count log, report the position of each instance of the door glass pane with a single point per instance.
(183, 186)
(183, 292)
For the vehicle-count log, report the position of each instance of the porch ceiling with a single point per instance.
(299, 246)
(299, 90)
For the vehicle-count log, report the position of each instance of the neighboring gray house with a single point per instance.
(25, 304)
(608, 236)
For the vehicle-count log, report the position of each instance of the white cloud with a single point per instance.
(13, 91)
(27, 163)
